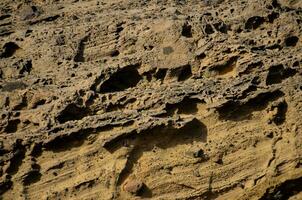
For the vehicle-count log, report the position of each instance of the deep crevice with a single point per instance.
(2, 17)
(161, 73)
(236, 110)
(17, 159)
(74, 139)
(281, 113)
(72, 112)
(123, 79)
(278, 73)
(185, 73)
(284, 190)
(186, 106)
(79, 57)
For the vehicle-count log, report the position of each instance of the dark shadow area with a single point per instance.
(85, 185)
(160, 74)
(284, 190)
(5, 186)
(114, 53)
(186, 106)
(123, 79)
(79, 57)
(145, 192)
(12, 126)
(221, 27)
(291, 41)
(18, 156)
(22, 104)
(251, 67)
(278, 73)
(281, 113)
(168, 50)
(25, 66)
(32, 176)
(185, 73)
(46, 19)
(201, 56)
(180, 73)
(72, 112)
(254, 22)
(9, 50)
(235, 110)
(74, 139)
(67, 142)
(36, 150)
(186, 30)
(273, 16)
(2, 17)
(208, 29)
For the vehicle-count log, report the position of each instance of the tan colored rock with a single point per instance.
(133, 186)
(96, 92)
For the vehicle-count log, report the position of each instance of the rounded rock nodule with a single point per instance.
(133, 187)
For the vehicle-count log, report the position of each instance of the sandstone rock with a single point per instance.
(133, 186)
(183, 94)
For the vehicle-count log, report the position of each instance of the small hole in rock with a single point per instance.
(115, 53)
(278, 73)
(34, 8)
(208, 29)
(273, 16)
(185, 73)
(201, 56)
(254, 22)
(72, 112)
(275, 4)
(160, 74)
(12, 126)
(9, 49)
(123, 79)
(296, 64)
(222, 27)
(186, 30)
(291, 41)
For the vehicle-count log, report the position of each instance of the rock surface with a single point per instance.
(133, 186)
(196, 99)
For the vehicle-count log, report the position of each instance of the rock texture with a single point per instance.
(138, 99)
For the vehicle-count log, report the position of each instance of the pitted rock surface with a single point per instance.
(196, 99)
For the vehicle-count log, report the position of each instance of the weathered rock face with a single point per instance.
(150, 99)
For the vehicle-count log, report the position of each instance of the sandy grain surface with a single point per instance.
(151, 99)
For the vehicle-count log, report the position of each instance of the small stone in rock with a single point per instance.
(133, 186)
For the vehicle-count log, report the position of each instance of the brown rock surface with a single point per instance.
(133, 186)
(196, 99)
